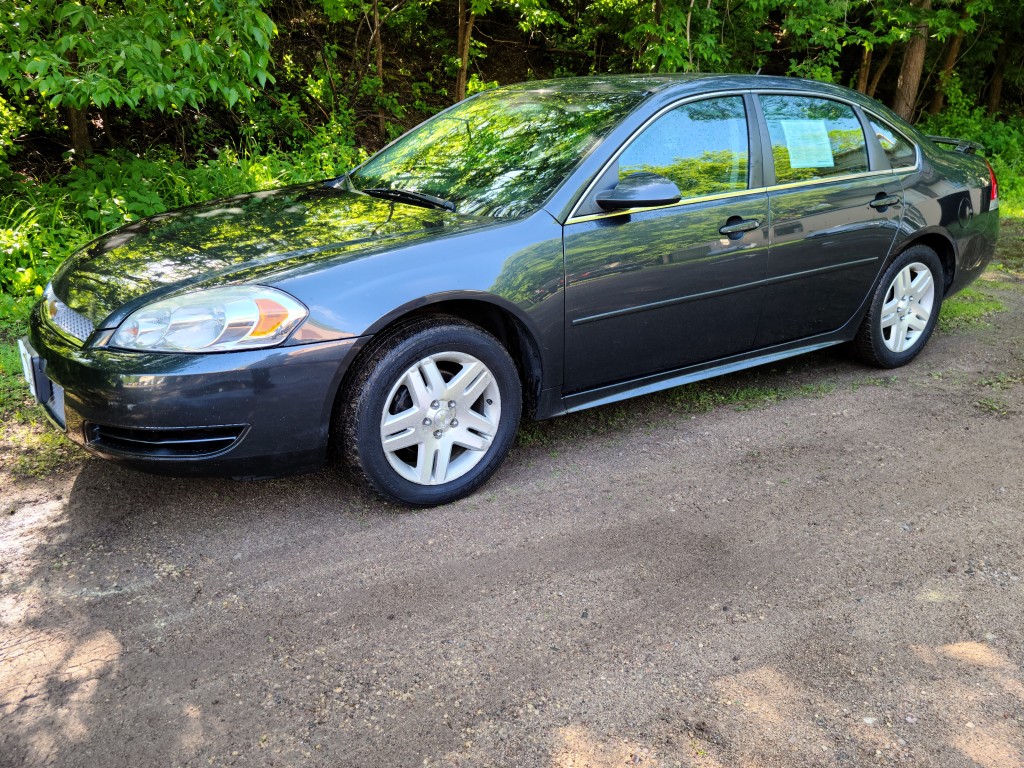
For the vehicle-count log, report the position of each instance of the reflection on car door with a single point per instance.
(833, 221)
(663, 288)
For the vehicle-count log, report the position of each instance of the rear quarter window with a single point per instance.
(901, 153)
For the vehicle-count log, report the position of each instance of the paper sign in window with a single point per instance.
(808, 144)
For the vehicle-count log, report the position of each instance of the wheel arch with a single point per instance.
(510, 329)
(944, 247)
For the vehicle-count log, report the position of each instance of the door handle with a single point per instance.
(739, 227)
(881, 203)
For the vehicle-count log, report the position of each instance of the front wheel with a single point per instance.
(903, 311)
(431, 413)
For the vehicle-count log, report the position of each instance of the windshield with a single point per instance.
(501, 153)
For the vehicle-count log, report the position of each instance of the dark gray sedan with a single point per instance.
(540, 248)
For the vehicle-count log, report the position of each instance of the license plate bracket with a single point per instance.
(47, 393)
(28, 367)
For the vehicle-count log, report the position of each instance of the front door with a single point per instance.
(659, 289)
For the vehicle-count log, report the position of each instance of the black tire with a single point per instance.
(381, 381)
(893, 345)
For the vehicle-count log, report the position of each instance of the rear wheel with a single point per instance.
(432, 412)
(903, 311)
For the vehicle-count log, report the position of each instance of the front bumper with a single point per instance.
(253, 413)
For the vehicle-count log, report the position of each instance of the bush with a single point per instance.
(1003, 142)
(44, 222)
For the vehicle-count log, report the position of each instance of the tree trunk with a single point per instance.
(995, 88)
(879, 71)
(78, 126)
(689, 45)
(913, 65)
(658, 9)
(466, 19)
(108, 132)
(378, 50)
(939, 97)
(864, 71)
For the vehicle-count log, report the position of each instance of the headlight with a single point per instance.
(214, 320)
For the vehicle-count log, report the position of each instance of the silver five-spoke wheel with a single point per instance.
(908, 306)
(431, 410)
(440, 418)
(904, 306)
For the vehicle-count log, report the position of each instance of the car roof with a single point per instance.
(681, 85)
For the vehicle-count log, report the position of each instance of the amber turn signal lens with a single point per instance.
(272, 315)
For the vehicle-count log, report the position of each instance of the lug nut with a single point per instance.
(451, 403)
(427, 422)
(438, 433)
(455, 422)
(435, 404)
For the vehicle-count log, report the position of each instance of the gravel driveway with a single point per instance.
(830, 579)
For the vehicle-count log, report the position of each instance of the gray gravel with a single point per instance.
(830, 580)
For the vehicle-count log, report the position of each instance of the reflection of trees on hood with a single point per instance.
(262, 232)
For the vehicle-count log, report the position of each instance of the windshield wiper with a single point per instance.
(411, 196)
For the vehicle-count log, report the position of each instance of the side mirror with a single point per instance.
(640, 190)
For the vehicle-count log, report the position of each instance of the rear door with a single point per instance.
(834, 215)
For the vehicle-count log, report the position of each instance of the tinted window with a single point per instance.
(901, 153)
(701, 146)
(813, 138)
(501, 153)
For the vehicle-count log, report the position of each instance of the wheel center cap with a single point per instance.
(442, 419)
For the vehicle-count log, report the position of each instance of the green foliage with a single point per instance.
(1003, 142)
(12, 122)
(169, 53)
(175, 112)
(475, 84)
(41, 224)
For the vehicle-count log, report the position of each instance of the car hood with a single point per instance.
(238, 239)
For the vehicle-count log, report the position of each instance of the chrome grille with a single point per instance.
(69, 321)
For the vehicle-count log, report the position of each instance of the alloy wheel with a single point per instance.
(440, 418)
(907, 307)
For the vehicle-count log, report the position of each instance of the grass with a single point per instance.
(968, 308)
(1002, 381)
(29, 445)
(993, 406)
(1009, 259)
(708, 395)
(974, 305)
(742, 392)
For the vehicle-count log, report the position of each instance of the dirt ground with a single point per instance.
(831, 579)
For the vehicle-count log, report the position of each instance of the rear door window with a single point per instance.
(813, 138)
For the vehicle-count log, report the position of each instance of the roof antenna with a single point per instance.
(758, 71)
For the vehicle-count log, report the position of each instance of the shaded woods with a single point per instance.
(111, 111)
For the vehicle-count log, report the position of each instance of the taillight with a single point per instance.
(994, 194)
